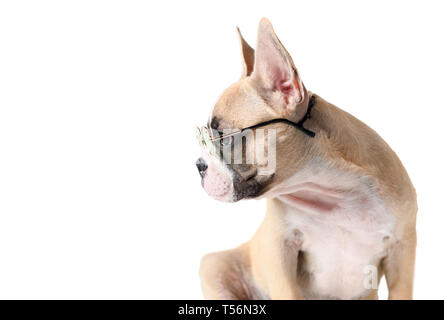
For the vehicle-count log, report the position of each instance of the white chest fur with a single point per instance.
(345, 230)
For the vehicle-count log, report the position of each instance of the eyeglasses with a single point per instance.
(207, 137)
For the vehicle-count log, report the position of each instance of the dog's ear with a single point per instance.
(247, 54)
(274, 71)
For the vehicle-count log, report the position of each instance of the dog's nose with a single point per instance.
(201, 166)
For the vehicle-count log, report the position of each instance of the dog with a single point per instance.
(341, 209)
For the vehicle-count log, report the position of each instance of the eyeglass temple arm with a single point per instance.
(294, 124)
(227, 135)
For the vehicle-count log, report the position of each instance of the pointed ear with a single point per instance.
(247, 54)
(275, 72)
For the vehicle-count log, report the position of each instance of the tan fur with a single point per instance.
(267, 266)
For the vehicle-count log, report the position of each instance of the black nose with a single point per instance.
(201, 166)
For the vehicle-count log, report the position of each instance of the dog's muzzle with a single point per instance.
(230, 183)
(217, 179)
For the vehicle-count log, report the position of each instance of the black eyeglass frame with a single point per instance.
(299, 125)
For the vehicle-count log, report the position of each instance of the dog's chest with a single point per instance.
(344, 234)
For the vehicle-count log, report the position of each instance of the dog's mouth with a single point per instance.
(231, 183)
(247, 183)
(249, 189)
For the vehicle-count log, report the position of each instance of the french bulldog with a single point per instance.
(341, 209)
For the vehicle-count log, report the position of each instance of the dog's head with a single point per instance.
(245, 164)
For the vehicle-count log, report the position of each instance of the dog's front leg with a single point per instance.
(226, 275)
(274, 256)
(399, 266)
(275, 269)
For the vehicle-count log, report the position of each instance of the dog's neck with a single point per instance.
(319, 167)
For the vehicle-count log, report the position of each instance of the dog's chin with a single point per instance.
(223, 187)
(226, 191)
(253, 188)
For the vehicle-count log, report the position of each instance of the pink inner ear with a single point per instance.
(290, 88)
(286, 87)
(277, 72)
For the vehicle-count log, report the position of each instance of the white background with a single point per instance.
(99, 195)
